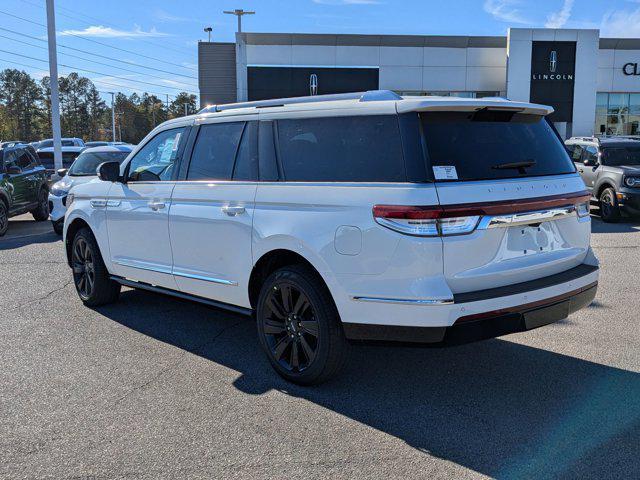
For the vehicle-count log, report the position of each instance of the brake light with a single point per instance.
(425, 221)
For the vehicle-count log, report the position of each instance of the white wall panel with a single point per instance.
(445, 57)
(405, 56)
(400, 78)
(486, 57)
(357, 56)
(313, 55)
(269, 54)
(444, 78)
(486, 78)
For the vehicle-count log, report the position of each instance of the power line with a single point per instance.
(94, 81)
(78, 17)
(95, 61)
(98, 73)
(98, 55)
(98, 42)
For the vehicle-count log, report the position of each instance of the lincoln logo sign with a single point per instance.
(553, 67)
(631, 69)
(553, 61)
(313, 84)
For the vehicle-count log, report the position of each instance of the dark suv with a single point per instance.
(23, 185)
(610, 168)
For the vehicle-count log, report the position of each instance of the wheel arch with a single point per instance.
(605, 184)
(74, 227)
(271, 261)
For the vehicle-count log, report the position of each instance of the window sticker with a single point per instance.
(445, 172)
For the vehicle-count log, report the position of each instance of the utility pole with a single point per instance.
(113, 115)
(167, 106)
(53, 76)
(238, 12)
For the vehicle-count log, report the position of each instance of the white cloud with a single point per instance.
(560, 18)
(505, 11)
(108, 32)
(163, 16)
(621, 23)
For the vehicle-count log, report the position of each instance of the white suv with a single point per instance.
(364, 217)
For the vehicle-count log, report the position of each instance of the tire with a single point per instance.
(299, 327)
(58, 227)
(609, 208)
(4, 218)
(41, 212)
(90, 275)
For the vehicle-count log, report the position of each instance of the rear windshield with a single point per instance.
(490, 144)
(87, 163)
(620, 156)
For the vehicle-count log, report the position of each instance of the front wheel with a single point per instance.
(41, 212)
(58, 226)
(609, 208)
(299, 326)
(90, 274)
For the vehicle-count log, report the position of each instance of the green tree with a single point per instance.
(21, 98)
(177, 107)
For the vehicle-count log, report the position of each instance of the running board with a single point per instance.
(185, 296)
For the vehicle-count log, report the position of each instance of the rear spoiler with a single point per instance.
(447, 105)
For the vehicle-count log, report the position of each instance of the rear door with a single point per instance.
(488, 166)
(211, 215)
(18, 185)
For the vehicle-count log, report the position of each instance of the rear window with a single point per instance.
(489, 144)
(341, 149)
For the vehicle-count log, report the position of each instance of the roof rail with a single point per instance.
(369, 96)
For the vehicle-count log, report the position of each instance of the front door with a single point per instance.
(17, 183)
(138, 211)
(211, 216)
(589, 173)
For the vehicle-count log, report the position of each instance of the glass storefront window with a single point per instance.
(617, 113)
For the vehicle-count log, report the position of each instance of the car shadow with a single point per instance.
(625, 225)
(26, 231)
(496, 407)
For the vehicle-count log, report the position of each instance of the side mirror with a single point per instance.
(14, 170)
(108, 171)
(61, 172)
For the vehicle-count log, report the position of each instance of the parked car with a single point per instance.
(356, 217)
(82, 170)
(11, 143)
(97, 143)
(71, 148)
(610, 168)
(23, 185)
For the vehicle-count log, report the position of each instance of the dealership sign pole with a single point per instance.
(53, 75)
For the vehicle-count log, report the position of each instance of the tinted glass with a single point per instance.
(215, 151)
(590, 154)
(24, 159)
(46, 144)
(620, 156)
(342, 149)
(87, 163)
(246, 167)
(492, 144)
(156, 161)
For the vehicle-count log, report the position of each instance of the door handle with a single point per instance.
(155, 206)
(581, 170)
(233, 211)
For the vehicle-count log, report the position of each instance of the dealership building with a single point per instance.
(593, 83)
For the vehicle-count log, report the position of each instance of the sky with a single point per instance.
(137, 46)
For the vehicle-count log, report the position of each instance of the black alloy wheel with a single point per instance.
(609, 208)
(290, 327)
(4, 219)
(299, 327)
(82, 261)
(41, 212)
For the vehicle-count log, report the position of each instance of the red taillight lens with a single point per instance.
(424, 221)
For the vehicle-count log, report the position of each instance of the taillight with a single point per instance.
(582, 209)
(424, 221)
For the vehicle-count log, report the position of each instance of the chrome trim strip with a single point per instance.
(527, 218)
(124, 263)
(206, 279)
(405, 301)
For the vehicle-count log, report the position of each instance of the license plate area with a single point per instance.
(547, 315)
(526, 240)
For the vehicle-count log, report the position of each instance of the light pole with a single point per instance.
(186, 109)
(53, 76)
(113, 115)
(238, 12)
(209, 30)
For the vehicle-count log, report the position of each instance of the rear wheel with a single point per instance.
(609, 208)
(299, 326)
(4, 218)
(90, 275)
(41, 212)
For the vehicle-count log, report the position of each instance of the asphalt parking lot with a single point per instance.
(155, 388)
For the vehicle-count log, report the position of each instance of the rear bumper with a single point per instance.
(554, 298)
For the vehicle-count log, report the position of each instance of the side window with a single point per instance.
(342, 149)
(10, 159)
(590, 154)
(156, 161)
(576, 154)
(24, 160)
(246, 167)
(215, 151)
